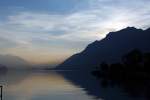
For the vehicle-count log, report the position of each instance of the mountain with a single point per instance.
(11, 61)
(3, 69)
(109, 49)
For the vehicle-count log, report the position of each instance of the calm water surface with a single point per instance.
(51, 85)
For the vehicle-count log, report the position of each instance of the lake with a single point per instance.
(58, 85)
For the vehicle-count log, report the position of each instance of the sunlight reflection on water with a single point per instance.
(27, 85)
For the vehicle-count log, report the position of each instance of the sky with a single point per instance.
(49, 31)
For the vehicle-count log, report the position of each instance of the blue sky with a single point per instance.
(55, 6)
(49, 31)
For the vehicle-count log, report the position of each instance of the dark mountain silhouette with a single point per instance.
(132, 74)
(11, 61)
(109, 49)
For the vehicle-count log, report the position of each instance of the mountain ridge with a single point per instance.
(109, 49)
(11, 61)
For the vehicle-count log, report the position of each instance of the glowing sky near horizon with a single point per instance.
(48, 31)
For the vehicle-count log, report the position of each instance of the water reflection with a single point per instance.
(60, 85)
(103, 89)
(40, 85)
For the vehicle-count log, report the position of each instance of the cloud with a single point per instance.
(100, 16)
(6, 43)
(72, 31)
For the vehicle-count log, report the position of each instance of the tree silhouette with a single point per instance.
(133, 73)
(147, 62)
(104, 67)
(133, 58)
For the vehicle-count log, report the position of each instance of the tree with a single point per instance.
(133, 59)
(104, 67)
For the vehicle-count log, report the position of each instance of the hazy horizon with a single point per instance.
(49, 31)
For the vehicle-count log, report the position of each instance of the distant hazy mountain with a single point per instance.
(109, 49)
(3, 69)
(13, 61)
